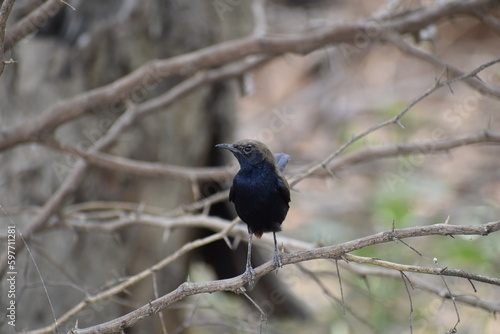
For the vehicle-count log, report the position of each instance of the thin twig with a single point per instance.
(468, 77)
(452, 298)
(394, 120)
(340, 287)
(410, 247)
(424, 285)
(423, 270)
(155, 291)
(425, 147)
(189, 317)
(332, 297)
(405, 279)
(263, 317)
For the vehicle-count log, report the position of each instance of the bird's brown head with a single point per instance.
(250, 152)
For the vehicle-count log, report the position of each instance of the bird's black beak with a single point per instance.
(229, 147)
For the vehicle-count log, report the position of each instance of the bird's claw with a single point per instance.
(250, 272)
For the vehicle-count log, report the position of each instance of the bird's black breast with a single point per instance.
(261, 198)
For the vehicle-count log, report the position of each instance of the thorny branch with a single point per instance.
(200, 174)
(72, 181)
(470, 78)
(163, 100)
(236, 284)
(297, 257)
(200, 63)
(136, 278)
(120, 90)
(324, 164)
(306, 252)
(423, 270)
(365, 154)
(68, 186)
(424, 285)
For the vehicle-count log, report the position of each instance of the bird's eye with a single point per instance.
(247, 149)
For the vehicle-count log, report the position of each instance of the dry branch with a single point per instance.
(136, 278)
(223, 227)
(73, 179)
(236, 284)
(423, 270)
(422, 284)
(425, 147)
(481, 86)
(308, 252)
(5, 10)
(143, 168)
(33, 21)
(394, 120)
(68, 186)
(120, 90)
(200, 65)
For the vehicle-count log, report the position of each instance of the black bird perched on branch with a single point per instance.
(260, 193)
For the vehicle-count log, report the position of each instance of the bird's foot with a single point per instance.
(250, 272)
(277, 261)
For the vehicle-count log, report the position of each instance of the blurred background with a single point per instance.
(304, 105)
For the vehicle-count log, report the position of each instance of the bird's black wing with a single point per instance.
(282, 160)
(284, 189)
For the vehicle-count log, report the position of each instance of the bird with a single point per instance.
(260, 193)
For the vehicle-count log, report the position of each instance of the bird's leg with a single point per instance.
(249, 270)
(276, 256)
